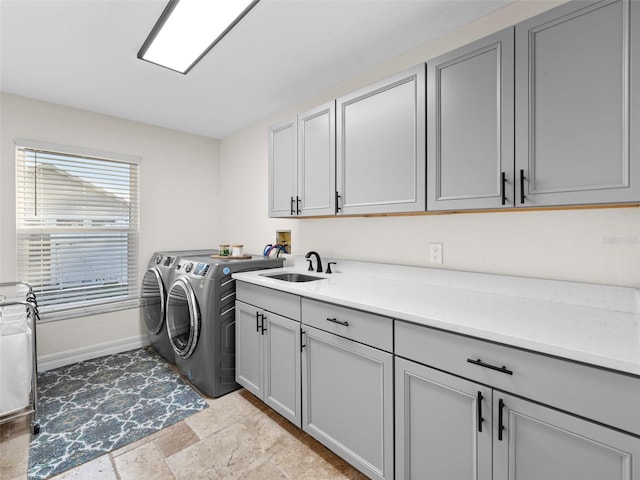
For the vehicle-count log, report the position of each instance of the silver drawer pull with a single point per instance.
(339, 322)
(501, 369)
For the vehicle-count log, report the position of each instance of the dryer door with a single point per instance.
(183, 318)
(152, 300)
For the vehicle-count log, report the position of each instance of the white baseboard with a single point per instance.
(59, 359)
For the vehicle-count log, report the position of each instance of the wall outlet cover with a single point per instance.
(435, 253)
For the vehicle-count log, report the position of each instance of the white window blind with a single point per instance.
(77, 229)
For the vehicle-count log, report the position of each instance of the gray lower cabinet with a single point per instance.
(577, 112)
(249, 345)
(381, 139)
(443, 425)
(532, 442)
(457, 407)
(449, 427)
(268, 358)
(347, 398)
(559, 420)
(470, 137)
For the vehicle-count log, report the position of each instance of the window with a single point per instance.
(77, 228)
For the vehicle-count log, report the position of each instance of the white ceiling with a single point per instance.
(82, 53)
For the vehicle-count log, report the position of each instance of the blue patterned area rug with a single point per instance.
(96, 406)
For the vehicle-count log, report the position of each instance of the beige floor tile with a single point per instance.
(307, 459)
(136, 444)
(251, 398)
(266, 471)
(237, 437)
(17, 426)
(178, 437)
(144, 462)
(222, 412)
(99, 469)
(233, 451)
(14, 452)
(284, 423)
(171, 430)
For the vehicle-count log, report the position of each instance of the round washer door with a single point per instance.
(183, 318)
(152, 300)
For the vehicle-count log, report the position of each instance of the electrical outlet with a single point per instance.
(435, 253)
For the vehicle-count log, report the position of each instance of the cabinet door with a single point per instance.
(283, 156)
(381, 146)
(282, 366)
(470, 135)
(540, 443)
(248, 349)
(317, 161)
(443, 425)
(347, 397)
(576, 121)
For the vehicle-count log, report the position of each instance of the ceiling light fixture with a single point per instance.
(188, 29)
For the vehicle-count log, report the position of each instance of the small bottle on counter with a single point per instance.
(236, 250)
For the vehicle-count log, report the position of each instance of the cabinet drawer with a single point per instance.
(597, 394)
(275, 301)
(360, 326)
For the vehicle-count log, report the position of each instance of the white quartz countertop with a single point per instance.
(594, 324)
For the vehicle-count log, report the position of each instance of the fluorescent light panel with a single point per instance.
(188, 29)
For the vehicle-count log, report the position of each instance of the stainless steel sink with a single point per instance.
(292, 277)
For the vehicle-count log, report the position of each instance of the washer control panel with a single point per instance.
(194, 268)
(165, 261)
(201, 269)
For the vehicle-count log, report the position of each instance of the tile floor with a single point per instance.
(237, 437)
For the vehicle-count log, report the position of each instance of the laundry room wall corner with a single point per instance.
(178, 207)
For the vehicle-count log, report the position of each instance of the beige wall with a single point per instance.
(178, 198)
(594, 245)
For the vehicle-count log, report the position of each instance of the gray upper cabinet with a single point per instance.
(283, 155)
(381, 146)
(540, 114)
(577, 112)
(302, 162)
(317, 161)
(470, 136)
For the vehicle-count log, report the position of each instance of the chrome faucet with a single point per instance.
(318, 261)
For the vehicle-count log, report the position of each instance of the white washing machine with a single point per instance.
(153, 296)
(201, 319)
